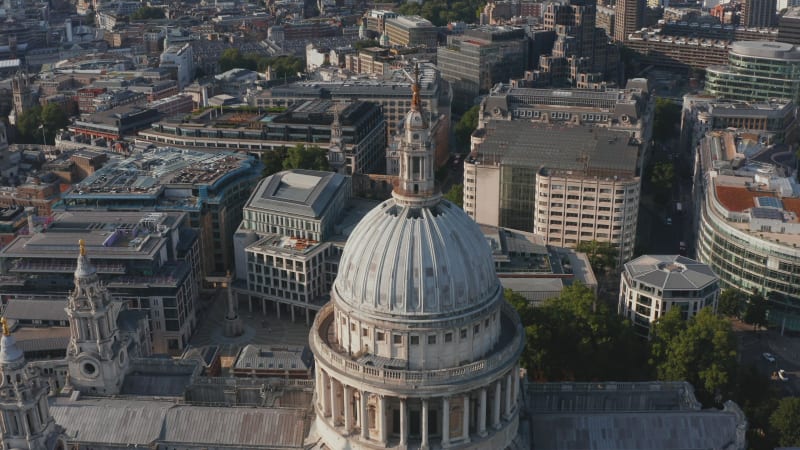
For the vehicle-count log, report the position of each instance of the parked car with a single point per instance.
(769, 357)
(783, 375)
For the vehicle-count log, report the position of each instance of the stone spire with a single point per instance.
(233, 325)
(336, 149)
(27, 423)
(416, 186)
(96, 357)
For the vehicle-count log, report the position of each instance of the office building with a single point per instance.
(411, 31)
(309, 123)
(149, 260)
(178, 58)
(757, 71)
(652, 285)
(774, 122)
(628, 15)
(567, 183)
(581, 55)
(789, 26)
(390, 94)
(211, 187)
(286, 249)
(759, 13)
(747, 222)
(480, 58)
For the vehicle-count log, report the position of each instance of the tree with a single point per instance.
(41, 123)
(456, 195)
(273, 161)
(148, 13)
(785, 422)
(662, 175)
(730, 303)
(602, 255)
(665, 118)
(302, 157)
(464, 128)
(701, 350)
(366, 43)
(755, 312)
(571, 337)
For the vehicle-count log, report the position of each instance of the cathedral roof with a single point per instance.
(416, 255)
(416, 261)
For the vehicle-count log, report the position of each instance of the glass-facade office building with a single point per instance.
(757, 71)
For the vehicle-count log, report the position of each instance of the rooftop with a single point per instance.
(140, 423)
(670, 272)
(147, 173)
(766, 49)
(579, 148)
(300, 192)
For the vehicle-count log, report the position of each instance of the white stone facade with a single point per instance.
(650, 286)
(417, 347)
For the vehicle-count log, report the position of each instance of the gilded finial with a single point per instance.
(82, 245)
(5, 327)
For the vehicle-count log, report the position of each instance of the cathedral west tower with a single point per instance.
(417, 348)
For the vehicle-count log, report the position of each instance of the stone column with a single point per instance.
(507, 412)
(326, 396)
(465, 419)
(516, 384)
(364, 416)
(403, 422)
(445, 421)
(482, 413)
(347, 403)
(384, 432)
(278, 309)
(334, 412)
(424, 427)
(496, 406)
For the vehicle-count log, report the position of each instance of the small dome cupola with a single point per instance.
(416, 186)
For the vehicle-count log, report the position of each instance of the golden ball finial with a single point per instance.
(82, 246)
(5, 326)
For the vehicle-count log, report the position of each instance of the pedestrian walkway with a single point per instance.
(258, 329)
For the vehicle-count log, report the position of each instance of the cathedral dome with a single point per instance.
(409, 261)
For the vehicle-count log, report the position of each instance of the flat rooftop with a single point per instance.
(578, 148)
(146, 173)
(299, 192)
(107, 235)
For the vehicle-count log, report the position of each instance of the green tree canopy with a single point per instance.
(283, 66)
(730, 303)
(786, 422)
(273, 161)
(666, 119)
(755, 312)
(701, 350)
(148, 13)
(464, 128)
(303, 157)
(39, 123)
(662, 175)
(602, 255)
(574, 337)
(441, 12)
(456, 195)
(366, 43)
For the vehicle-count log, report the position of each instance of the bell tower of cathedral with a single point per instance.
(97, 358)
(26, 420)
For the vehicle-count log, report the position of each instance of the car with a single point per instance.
(783, 375)
(769, 357)
(669, 221)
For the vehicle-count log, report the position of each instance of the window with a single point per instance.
(448, 337)
(365, 332)
(379, 335)
(432, 339)
(476, 329)
(463, 333)
(398, 338)
(414, 340)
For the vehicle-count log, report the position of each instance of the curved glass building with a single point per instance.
(757, 71)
